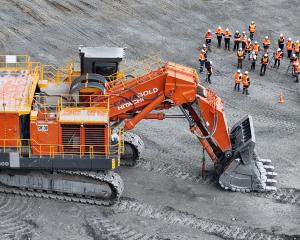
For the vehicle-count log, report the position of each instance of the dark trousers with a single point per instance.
(251, 36)
(263, 69)
(297, 78)
(243, 45)
(289, 52)
(201, 65)
(219, 41)
(208, 77)
(281, 46)
(208, 42)
(240, 64)
(236, 45)
(227, 43)
(253, 65)
(266, 49)
(245, 90)
(237, 87)
(277, 62)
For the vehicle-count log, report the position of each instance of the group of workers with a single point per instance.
(250, 49)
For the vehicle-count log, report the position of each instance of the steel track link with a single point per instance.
(114, 181)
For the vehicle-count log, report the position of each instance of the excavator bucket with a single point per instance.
(246, 171)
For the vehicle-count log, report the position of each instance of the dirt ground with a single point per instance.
(165, 198)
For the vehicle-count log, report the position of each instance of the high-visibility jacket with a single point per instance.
(297, 69)
(264, 60)
(208, 35)
(295, 61)
(227, 34)
(237, 77)
(246, 80)
(244, 38)
(289, 45)
(240, 54)
(237, 37)
(278, 55)
(248, 45)
(266, 42)
(201, 56)
(281, 40)
(296, 47)
(255, 48)
(252, 28)
(219, 32)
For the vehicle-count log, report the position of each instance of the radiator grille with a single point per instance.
(95, 136)
(71, 138)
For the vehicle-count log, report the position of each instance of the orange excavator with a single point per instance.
(63, 133)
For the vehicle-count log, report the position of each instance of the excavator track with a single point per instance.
(112, 181)
(134, 146)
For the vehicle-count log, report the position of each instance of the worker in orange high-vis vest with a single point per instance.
(266, 44)
(237, 40)
(296, 72)
(281, 42)
(219, 33)
(246, 83)
(202, 60)
(208, 37)
(289, 47)
(264, 64)
(256, 48)
(252, 29)
(237, 80)
(240, 58)
(278, 57)
(244, 40)
(227, 35)
(248, 48)
(296, 48)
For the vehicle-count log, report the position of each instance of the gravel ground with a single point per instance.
(164, 196)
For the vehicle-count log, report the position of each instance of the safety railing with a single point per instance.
(31, 147)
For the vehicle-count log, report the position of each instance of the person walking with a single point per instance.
(244, 40)
(264, 63)
(246, 83)
(256, 48)
(296, 72)
(252, 29)
(208, 37)
(237, 80)
(209, 71)
(219, 33)
(202, 60)
(253, 59)
(278, 57)
(289, 47)
(240, 57)
(227, 35)
(296, 48)
(281, 42)
(237, 40)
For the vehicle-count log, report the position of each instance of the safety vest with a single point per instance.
(245, 79)
(219, 32)
(252, 28)
(237, 77)
(240, 54)
(265, 60)
(227, 34)
(266, 42)
(295, 61)
(248, 45)
(289, 45)
(281, 40)
(237, 37)
(278, 55)
(244, 38)
(255, 48)
(201, 56)
(296, 47)
(208, 35)
(297, 69)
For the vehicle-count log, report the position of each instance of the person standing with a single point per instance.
(266, 44)
(202, 60)
(253, 59)
(252, 29)
(248, 48)
(237, 40)
(296, 48)
(278, 57)
(208, 37)
(219, 33)
(240, 57)
(208, 66)
(237, 80)
(281, 42)
(227, 35)
(246, 83)
(264, 63)
(296, 72)
(244, 40)
(256, 48)
(289, 47)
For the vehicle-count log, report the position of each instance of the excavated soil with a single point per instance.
(165, 198)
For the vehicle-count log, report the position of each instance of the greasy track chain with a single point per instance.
(60, 196)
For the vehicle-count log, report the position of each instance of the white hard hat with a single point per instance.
(240, 49)
(255, 42)
(237, 31)
(239, 71)
(204, 45)
(219, 27)
(297, 41)
(227, 29)
(281, 35)
(244, 32)
(266, 37)
(202, 50)
(253, 52)
(265, 54)
(209, 30)
(252, 22)
(249, 40)
(279, 49)
(289, 39)
(210, 62)
(246, 72)
(293, 55)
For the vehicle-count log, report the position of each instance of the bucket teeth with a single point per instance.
(265, 161)
(269, 167)
(270, 188)
(271, 181)
(271, 174)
